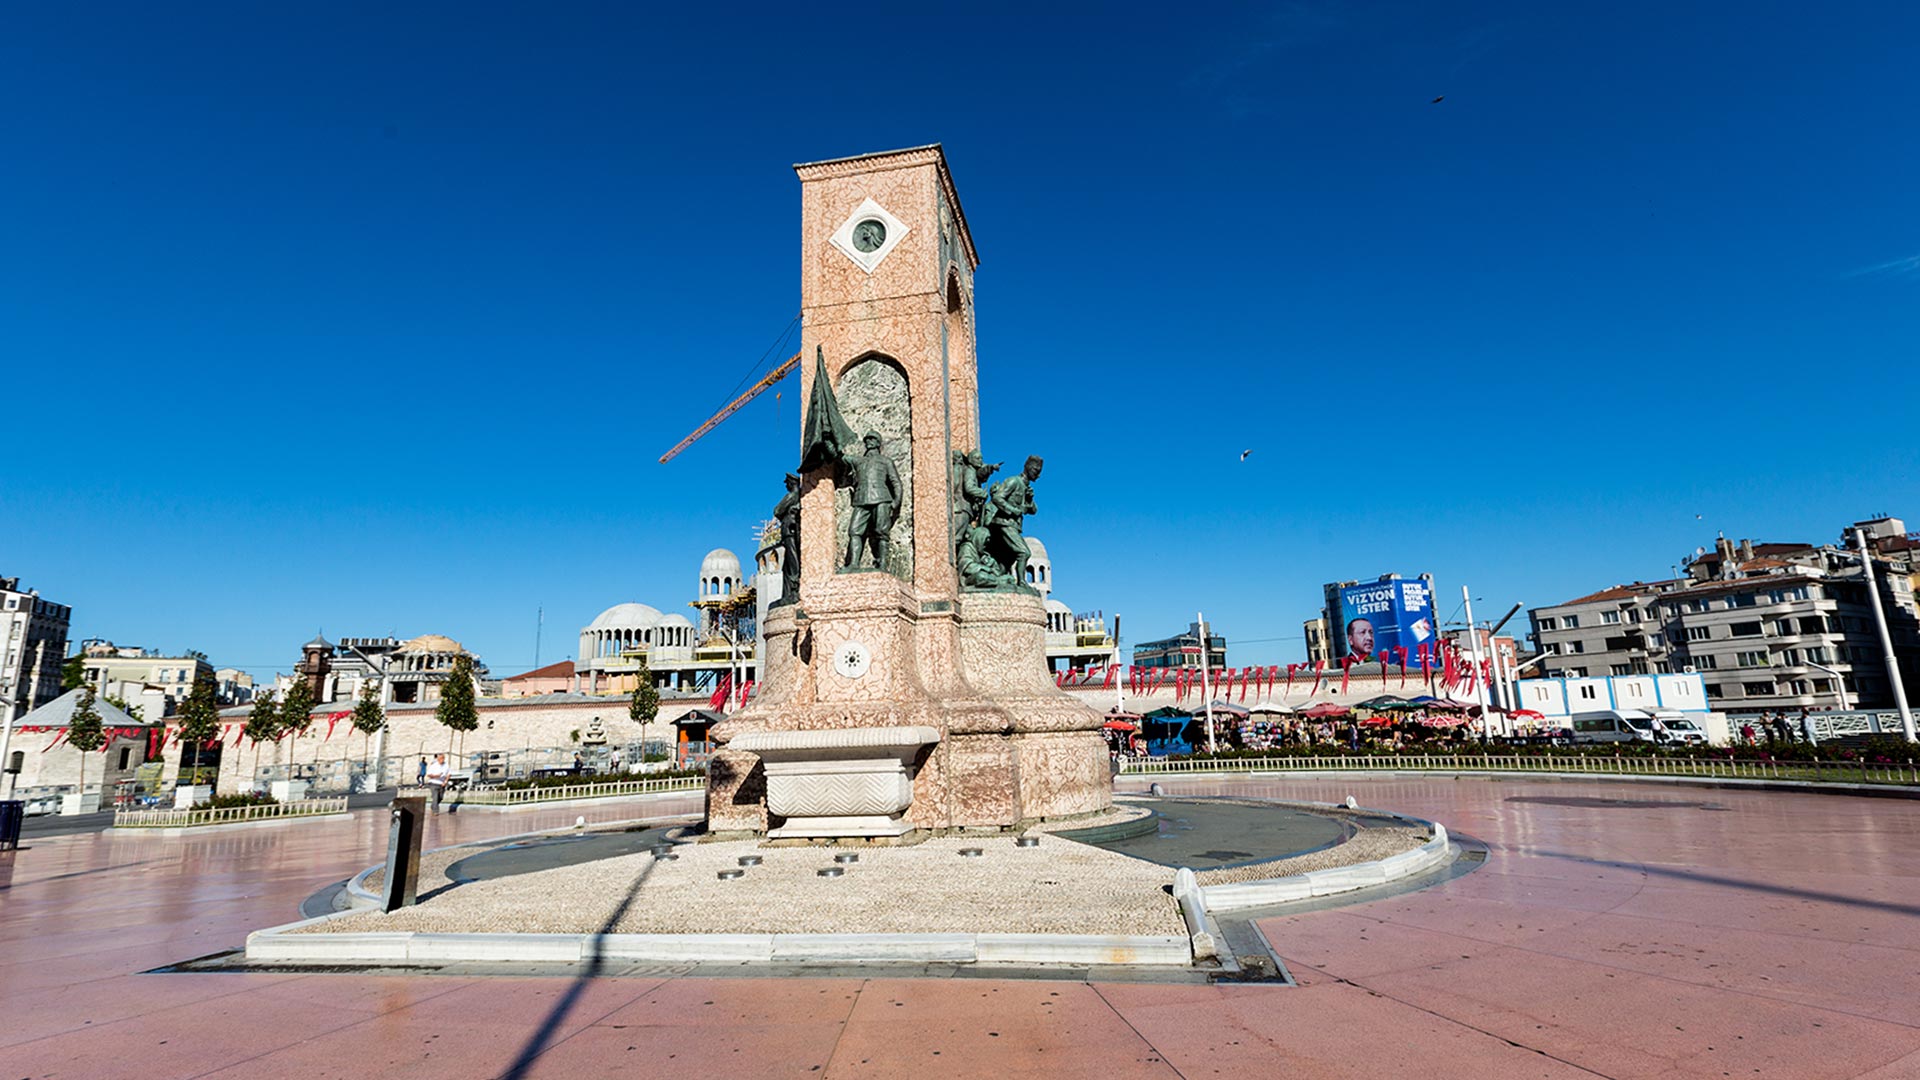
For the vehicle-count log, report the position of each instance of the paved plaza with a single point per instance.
(1622, 930)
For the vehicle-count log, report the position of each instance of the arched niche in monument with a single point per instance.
(874, 397)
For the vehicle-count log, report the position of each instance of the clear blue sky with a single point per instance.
(375, 318)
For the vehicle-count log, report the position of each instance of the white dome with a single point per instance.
(626, 617)
(720, 563)
(675, 619)
(1037, 551)
(1055, 607)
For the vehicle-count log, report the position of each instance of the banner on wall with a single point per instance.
(1386, 619)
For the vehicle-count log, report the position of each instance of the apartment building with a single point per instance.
(135, 674)
(33, 642)
(1768, 627)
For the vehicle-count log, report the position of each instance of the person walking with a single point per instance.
(436, 776)
(422, 778)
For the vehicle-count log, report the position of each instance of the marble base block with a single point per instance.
(850, 782)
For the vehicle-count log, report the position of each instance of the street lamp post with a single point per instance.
(1206, 687)
(1886, 639)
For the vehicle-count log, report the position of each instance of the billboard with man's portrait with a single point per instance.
(1380, 618)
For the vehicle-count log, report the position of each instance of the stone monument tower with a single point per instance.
(895, 697)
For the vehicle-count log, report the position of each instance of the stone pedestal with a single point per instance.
(186, 796)
(851, 782)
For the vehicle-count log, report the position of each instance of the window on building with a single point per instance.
(1576, 646)
(1699, 633)
(1800, 686)
(1744, 629)
(1587, 692)
(1817, 655)
(1756, 658)
(1621, 669)
(1717, 690)
(1702, 604)
(1813, 624)
(1633, 614)
(1662, 667)
(1705, 663)
(1610, 617)
(126, 757)
(1549, 624)
(1740, 600)
(1789, 657)
(1573, 622)
(1784, 628)
(1757, 689)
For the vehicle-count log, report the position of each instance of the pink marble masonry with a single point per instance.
(970, 665)
(1618, 930)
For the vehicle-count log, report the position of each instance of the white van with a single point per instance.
(1680, 728)
(1613, 725)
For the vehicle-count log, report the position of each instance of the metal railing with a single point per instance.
(1831, 772)
(561, 793)
(227, 815)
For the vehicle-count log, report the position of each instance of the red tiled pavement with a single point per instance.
(1617, 930)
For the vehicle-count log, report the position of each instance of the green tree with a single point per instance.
(121, 704)
(296, 715)
(646, 699)
(296, 709)
(263, 725)
(199, 720)
(84, 731)
(456, 709)
(73, 672)
(369, 717)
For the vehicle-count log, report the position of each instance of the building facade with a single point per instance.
(136, 675)
(33, 643)
(1768, 627)
(1183, 650)
(681, 653)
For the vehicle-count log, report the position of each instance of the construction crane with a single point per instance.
(785, 369)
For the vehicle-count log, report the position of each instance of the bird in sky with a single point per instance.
(1438, 100)
(1244, 453)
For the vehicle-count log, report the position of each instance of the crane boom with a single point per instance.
(785, 369)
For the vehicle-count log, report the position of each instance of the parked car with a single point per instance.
(1679, 728)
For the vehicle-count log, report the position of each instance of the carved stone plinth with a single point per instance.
(841, 782)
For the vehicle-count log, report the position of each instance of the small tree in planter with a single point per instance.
(645, 705)
(369, 717)
(456, 709)
(296, 716)
(263, 726)
(199, 721)
(85, 733)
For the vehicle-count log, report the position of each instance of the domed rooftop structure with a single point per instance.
(720, 574)
(626, 617)
(674, 618)
(432, 643)
(1039, 566)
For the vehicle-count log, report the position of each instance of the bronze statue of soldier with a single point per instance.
(787, 514)
(876, 502)
(1008, 505)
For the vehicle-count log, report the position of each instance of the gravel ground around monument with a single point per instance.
(1059, 887)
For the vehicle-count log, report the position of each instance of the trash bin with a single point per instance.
(12, 813)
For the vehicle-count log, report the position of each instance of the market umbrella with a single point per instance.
(1230, 709)
(1324, 710)
(1119, 725)
(1386, 703)
(1274, 707)
(1527, 714)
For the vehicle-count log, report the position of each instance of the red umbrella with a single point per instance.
(1119, 725)
(1324, 710)
(1526, 714)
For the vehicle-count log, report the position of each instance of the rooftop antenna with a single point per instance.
(539, 623)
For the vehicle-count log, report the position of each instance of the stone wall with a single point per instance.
(545, 721)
